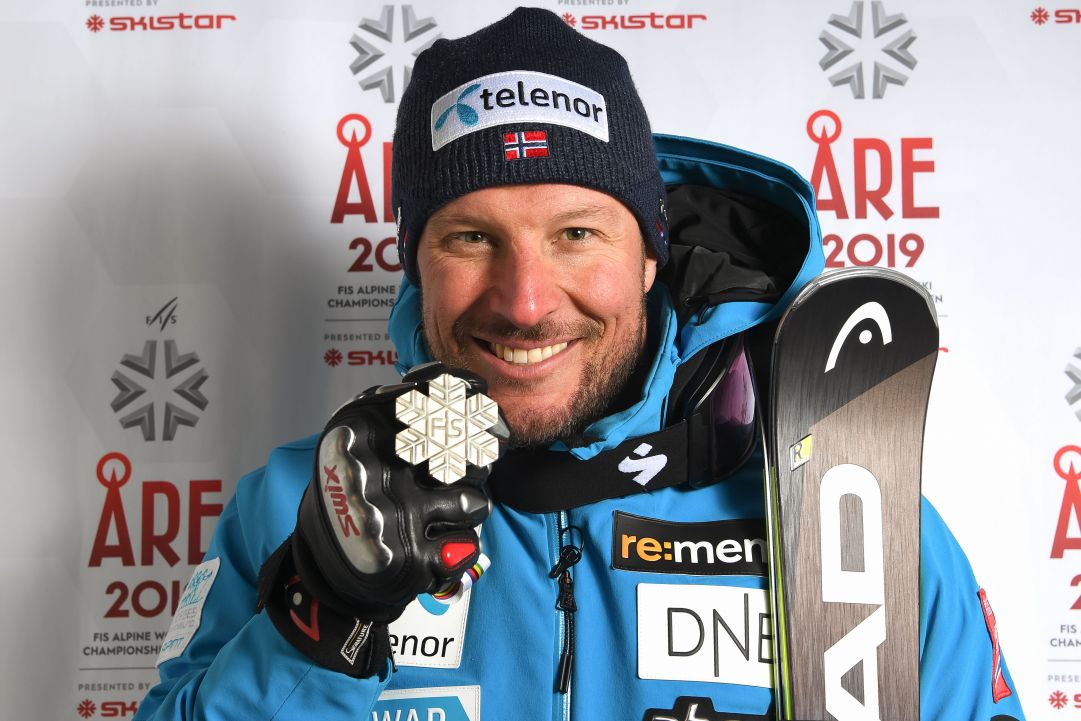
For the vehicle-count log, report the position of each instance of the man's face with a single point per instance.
(540, 290)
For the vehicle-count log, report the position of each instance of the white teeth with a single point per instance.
(521, 356)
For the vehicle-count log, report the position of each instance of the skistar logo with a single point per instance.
(879, 174)
(650, 21)
(1062, 16)
(333, 357)
(143, 23)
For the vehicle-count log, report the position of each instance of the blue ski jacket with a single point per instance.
(665, 616)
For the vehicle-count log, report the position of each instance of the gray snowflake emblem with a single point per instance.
(376, 42)
(887, 50)
(188, 390)
(447, 428)
(1074, 374)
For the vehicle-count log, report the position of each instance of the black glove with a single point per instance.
(395, 494)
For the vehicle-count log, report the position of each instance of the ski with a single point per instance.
(849, 378)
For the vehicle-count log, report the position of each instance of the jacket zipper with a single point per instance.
(568, 555)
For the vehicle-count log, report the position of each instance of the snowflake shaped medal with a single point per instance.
(447, 428)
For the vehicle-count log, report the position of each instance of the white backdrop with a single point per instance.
(177, 297)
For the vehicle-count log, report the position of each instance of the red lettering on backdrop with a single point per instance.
(354, 175)
(909, 167)
(1071, 502)
(824, 165)
(113, 517)
(112, 514)
(824, 128)
(864, 194)
(160, 541)
(197, 511)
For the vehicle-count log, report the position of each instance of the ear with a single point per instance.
(649, 270)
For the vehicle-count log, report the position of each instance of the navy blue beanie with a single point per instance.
(524, 100)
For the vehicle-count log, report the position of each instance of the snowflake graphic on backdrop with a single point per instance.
(447, 428)
(1057, 699)
(887, 49)
(86, 708)
(94, 23)
(1039, 16)
(377, 42)
(174, 414)
(1074, 374)
(569, 19)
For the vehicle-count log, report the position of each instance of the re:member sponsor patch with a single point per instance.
(708, 548)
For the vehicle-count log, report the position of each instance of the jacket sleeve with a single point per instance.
(237, 665)
(963, 674)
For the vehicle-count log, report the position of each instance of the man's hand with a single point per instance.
(396, 492)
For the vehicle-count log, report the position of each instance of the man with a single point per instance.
(544, 256)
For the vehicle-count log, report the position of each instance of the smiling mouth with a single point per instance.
(525, 356)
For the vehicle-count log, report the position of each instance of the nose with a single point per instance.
(525, 285)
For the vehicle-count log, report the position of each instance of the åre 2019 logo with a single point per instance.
(878, 173)
(354, 184)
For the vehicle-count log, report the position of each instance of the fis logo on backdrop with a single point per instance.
(517, 96)
(447, 703)
(160, 376)
(885, 49)
(165, 316)
(376, 40)
(710, 548)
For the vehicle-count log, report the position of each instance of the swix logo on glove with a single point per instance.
(518, 96)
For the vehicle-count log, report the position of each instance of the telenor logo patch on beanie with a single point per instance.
(517, 96)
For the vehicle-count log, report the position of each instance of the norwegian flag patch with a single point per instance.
(525, 144)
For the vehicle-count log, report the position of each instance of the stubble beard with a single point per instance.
(602, 378)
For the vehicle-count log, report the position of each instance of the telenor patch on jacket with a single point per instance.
(445, 703)
(429, 634)
(709, 548)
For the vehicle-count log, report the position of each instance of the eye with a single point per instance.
(471, 237)
(576, 233)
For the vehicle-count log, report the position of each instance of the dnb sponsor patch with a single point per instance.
(718, 634)
(709, 548)
(446, 703)
(517, 96)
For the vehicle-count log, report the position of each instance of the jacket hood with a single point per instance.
(745, 239)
